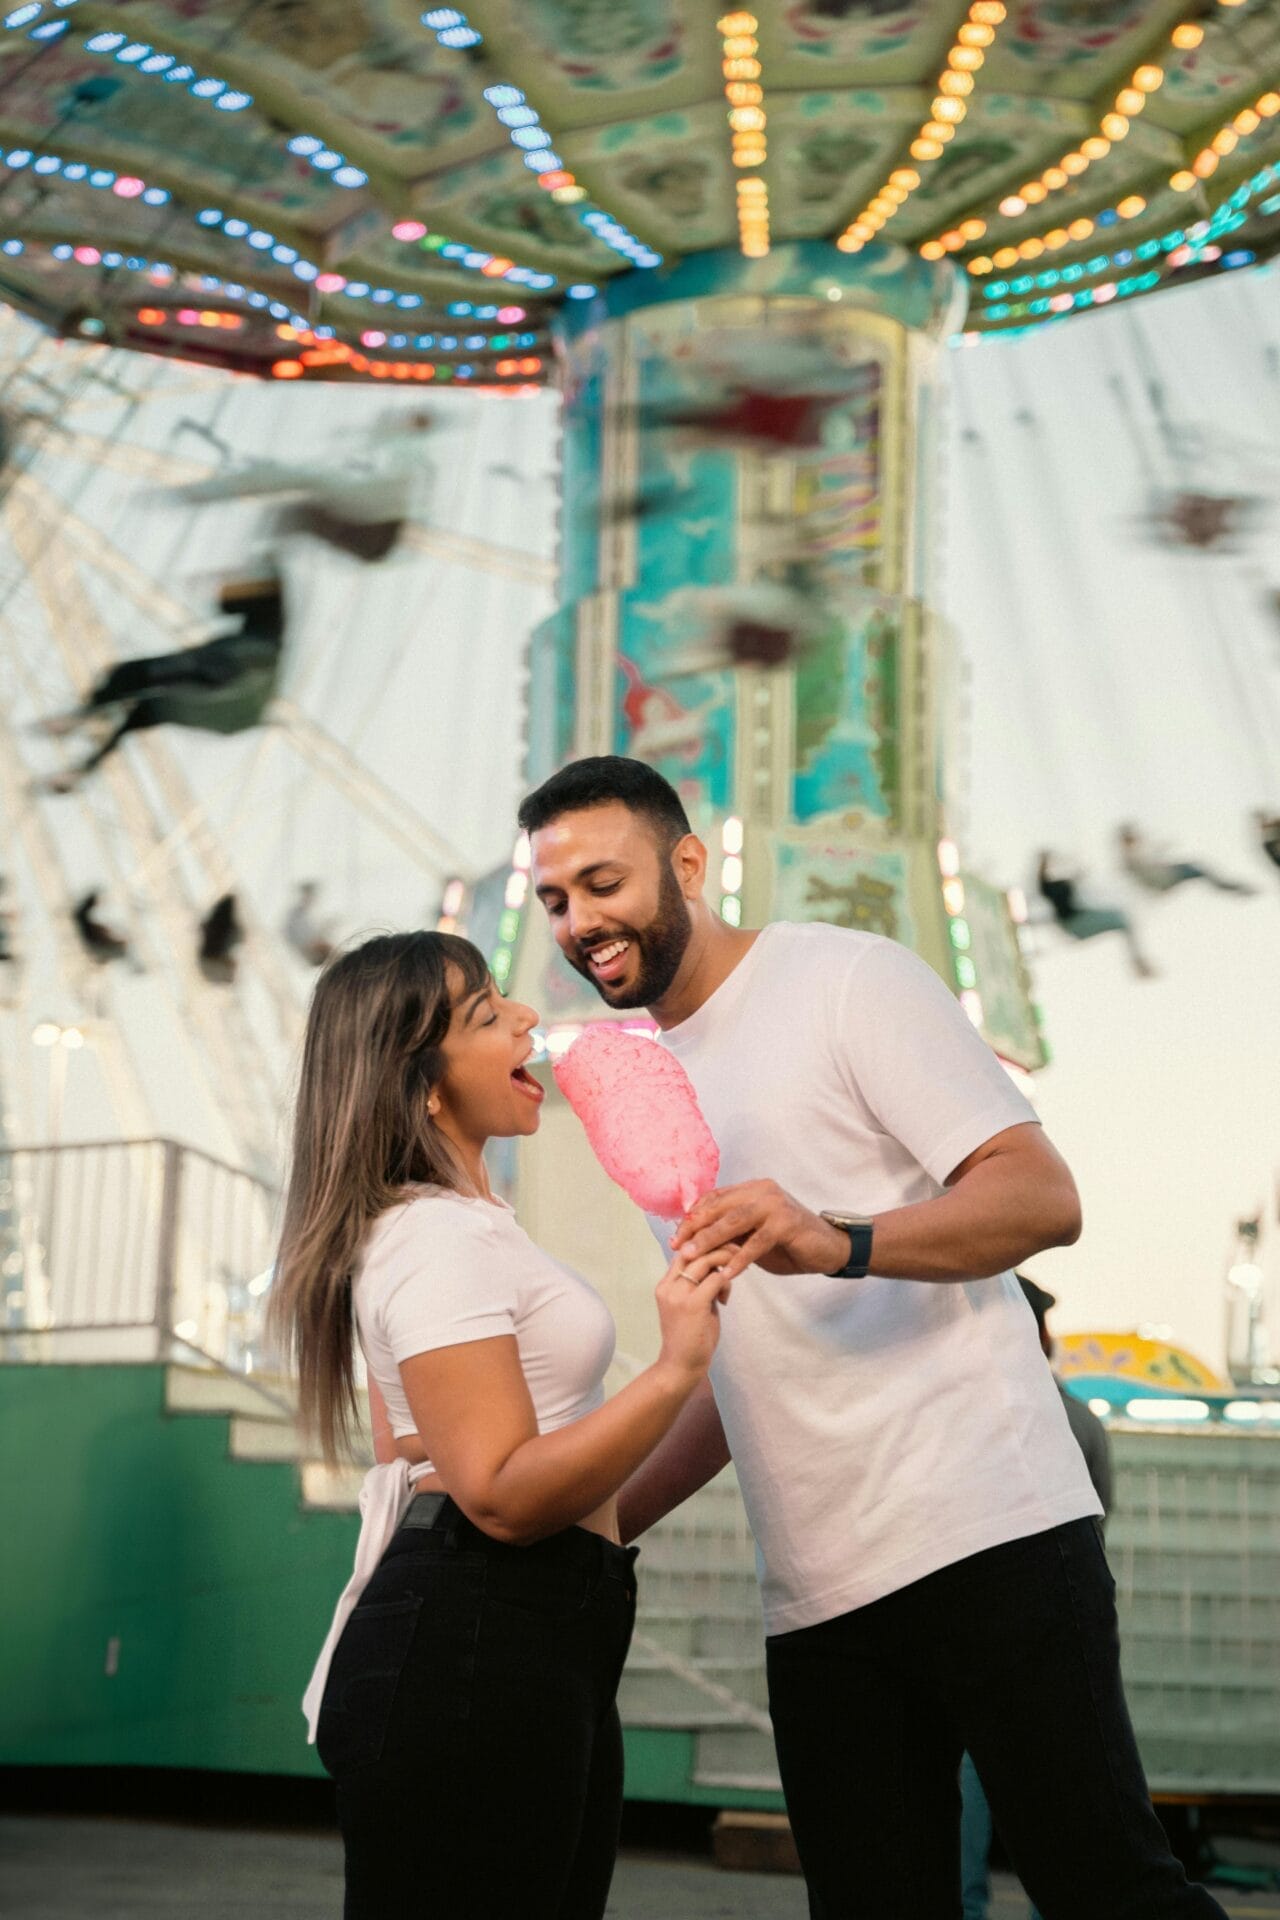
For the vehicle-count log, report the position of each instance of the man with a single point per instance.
(1091, 1438)
(931, 1574)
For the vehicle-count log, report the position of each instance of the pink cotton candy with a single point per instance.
(642, 1118)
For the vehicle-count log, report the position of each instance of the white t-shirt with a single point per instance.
(442, 1269)
(880, 1428)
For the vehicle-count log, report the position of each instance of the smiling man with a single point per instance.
(931, 1568)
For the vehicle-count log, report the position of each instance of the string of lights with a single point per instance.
(955, 84)
(126, 186)
(748, 123)
(1193, 246)
(171, 68)
(474, 259)
(1244, 123)
(523, 126)
(325, 159)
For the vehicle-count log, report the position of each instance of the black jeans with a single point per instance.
(1012, 1654)
(469, 1720)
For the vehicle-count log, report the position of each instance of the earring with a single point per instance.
(433, 1107)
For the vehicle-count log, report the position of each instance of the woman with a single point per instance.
(467, 1711)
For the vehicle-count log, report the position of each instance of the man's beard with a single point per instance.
(660, 949)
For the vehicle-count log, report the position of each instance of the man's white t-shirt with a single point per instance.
(881, 1429)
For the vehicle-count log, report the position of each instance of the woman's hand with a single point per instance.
(689, 1296)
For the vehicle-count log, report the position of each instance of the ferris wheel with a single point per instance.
(143, 504)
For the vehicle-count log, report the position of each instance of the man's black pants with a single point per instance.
(1014, 1655)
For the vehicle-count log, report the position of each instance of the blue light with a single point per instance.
(261, 240)
(408, 301)
(304, 270)
(156, 196)
(474, 340)
(104, 42)
(381, 295)
(647, 259)
(464, 373)
(544, 162)
(278, 310)
(541, 280)
(486, 313)
(18, 157)
(48, 163)
(113, 259)
(134, 263)
(426, 340)
(459, 37)
(136, 50)
(157, 63)
(12, 247)
(530, 138)
(234, 102)
(460, 307)
(74, 170)
(448, 341)
(350, 177)
(51, 30)
(397, 339)
(476, 259)
(503, 96)
(517, 116)
(306, 144)
(527, 340)
(285, 255)
(256, 299)
(61, 252)
(327, 160)
(356, 289)
(209, 88)
(234, 291)
(237, 229)
(102, 177)
(438, 18)
(323, 333)
(1241, 257)
(21, 15)
(180, 73)
(454, 251)
(581, 292)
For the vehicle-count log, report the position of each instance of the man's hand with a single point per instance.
(758, 1223)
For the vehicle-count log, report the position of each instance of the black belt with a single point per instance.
(424, 1510)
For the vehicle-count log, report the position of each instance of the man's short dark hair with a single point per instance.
(605, 777)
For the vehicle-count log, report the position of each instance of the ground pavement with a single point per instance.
(56, 1868)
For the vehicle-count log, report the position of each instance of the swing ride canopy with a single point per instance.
(359, 188)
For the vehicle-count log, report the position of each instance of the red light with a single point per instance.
(507, 367)
(509, 315)
(408, 230)
(127, 187)
(497, 266)
(531, 366)
(287, 370)
(151, 316)
(87, 256)
(188, 317)
(330, 282)
(557, 178)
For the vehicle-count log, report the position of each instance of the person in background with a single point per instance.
(1059, 888)
(1152, 868)
(1268, 830)
(975, 1823)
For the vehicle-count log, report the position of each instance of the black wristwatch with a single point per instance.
(859, 1229)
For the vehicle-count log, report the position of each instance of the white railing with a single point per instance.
(132, 1249)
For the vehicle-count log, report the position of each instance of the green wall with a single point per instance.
(133, 1540)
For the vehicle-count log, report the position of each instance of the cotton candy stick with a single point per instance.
(642, 1118)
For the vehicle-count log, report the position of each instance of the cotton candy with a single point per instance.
(642, 1118)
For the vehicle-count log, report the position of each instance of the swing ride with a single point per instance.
(740, 246)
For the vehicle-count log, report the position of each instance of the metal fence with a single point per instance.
(132, 1248)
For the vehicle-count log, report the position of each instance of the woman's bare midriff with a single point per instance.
(603, 1521)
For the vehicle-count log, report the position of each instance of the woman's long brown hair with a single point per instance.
(361, 1135)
